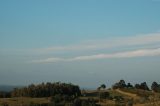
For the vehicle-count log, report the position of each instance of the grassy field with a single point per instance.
(140, 97)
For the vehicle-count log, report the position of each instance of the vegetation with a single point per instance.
(63, 94)
(142, 86)
(103, 86)
(121, 84)
(47, 90)
(155, 87)
(5, 94)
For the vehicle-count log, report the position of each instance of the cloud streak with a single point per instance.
(138, 40)
(151, 40)
(127, 54)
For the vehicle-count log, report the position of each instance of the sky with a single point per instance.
(85, 42)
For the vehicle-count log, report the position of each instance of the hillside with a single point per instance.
(67, 94)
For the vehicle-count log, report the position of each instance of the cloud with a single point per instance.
(151, 40)
(127, 54)
(121, 47)
(143, 46)
(137, 40)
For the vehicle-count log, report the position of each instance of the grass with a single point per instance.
(139, 92)
(23, 101)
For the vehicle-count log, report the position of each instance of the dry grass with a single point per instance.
(154, 98)
(23, 101)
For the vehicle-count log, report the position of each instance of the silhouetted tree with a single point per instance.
(129, 85)
(155, 87)
(137, 86)
(142, 86)
(103, 86)
(47, 89)
(120, 84)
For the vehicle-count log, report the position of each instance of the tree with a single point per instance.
(129, 85)
(47, 90)
(103, 86)
(155, 86)
(120, 84)
(137, 86)
(142, 86)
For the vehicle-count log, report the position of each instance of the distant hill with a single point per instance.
(8, 88)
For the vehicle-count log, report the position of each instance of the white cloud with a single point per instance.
(138, 40)
(128, 54)
(151, 40)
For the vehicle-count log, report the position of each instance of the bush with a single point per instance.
(103, 95)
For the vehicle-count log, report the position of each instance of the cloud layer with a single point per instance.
(127, 54)
(137, 40)
(135, 46)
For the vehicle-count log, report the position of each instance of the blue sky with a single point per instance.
(87, 42)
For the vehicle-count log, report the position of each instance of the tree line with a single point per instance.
(51, 89)
(46, 90)
(143, 86)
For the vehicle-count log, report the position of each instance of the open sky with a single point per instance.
(86, 42)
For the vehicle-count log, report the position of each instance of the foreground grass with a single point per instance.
(139, 100)
(23, 101)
